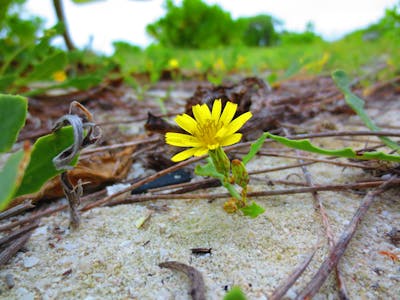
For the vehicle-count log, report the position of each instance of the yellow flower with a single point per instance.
(198, 64)
(173, 63)
(59, 76)
(208, 130)
(219, 65)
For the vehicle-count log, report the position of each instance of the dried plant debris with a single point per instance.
(197, 287)
(290, 102)
(394, 236)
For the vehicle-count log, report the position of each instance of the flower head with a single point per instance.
(208, 130)
(59, 76)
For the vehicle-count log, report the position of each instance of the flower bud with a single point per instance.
(230, 206)
(239, 172)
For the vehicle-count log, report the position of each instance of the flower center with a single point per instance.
(207, 133)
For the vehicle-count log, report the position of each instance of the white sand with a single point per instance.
(109, 258)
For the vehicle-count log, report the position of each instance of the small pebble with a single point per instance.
(9, 279)
(30, 261)
(116, 188)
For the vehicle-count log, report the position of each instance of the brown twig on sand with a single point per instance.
(16, 209)
(142, 182)
(13, 235)
(197, 287)
(33, 217)
(327, 226)
(317, 188)
(282, 289)
(122, 145)
(15, 245)
(338, 250)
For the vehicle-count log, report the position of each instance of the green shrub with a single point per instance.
(259, 30)
(387, 25)
(194, 25)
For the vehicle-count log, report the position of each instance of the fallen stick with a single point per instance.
(338, 250)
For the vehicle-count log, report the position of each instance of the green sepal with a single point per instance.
(220, 161)
(208, 170)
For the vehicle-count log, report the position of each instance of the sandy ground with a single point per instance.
(110, 258)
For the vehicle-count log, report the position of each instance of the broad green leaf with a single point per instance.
(253, 210)
(235, 293)
(344, 152)
(12, 118)
(41, 168)
(254, 148)
(9, 178)
(357, 104)
(46, 68)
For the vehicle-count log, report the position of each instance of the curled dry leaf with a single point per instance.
(94, 171)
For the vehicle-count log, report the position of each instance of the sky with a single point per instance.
(100, 23)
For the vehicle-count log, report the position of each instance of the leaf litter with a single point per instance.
(121, 260)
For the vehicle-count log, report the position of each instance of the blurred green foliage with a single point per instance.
(388, 25)
(193, 25)
(294, 38)
(259, 31)
(219, 46)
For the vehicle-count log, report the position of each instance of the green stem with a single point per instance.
(231, 189)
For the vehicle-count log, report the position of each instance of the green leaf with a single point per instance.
(13, 111)
(82, 82)
(254, 148)
(6, 81)
(357, 104)
(253, 210)
(344, 152)
(4, 4)
(41, 167)
(45, 69)
(208, 170)
(235, 293)
(9, 176)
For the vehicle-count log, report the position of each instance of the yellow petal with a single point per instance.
(216, 110)
(231, 139)
(201, 113)
(201, 151)
(185, 154)
(181, 140)
(236, 124)
(187, 123)
(228, 113)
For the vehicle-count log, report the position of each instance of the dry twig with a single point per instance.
(197, 287)
(338, 250)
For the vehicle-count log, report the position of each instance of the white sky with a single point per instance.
(109, 20)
